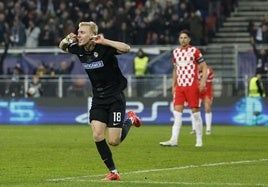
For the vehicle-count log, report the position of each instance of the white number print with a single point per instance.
(117, 117)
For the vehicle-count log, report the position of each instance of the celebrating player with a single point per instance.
(187, 60)
(98, 57)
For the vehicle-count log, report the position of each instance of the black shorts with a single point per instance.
(109, 110)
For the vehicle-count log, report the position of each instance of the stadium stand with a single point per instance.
(233, 32)
(225, 25)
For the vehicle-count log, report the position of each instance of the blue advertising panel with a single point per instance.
(226, 111)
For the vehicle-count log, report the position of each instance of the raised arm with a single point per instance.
(120, 46)
(70, 38)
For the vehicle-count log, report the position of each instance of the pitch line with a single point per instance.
(176, 183)
(163, 169)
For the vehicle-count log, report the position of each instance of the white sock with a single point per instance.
(193, 125)
(114, 171)
(208, 121)
(198, 124)
(176, 126)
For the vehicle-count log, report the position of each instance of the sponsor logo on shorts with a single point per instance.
(115, 124)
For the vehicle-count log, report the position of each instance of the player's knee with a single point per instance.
(114, 142)
(98, 137)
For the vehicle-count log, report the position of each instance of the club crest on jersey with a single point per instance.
(96, 54)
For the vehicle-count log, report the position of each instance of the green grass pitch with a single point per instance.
(65, 156)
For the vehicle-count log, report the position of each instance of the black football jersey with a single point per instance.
(102, 68)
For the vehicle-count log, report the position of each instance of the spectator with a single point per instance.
(139, 26)
(196, 26)
(175, 26)
(123, 33)
(17, 33)
(35, 88)
(252, 30)
(265, 19)
(152, 8)
(46, 37)
(32, 35)
(140, 17)
(65, 69)
(41, 70)
(256, 88)
(261, 36)
(141, 61)
(261, 59)
(3, 30)
(14, 87)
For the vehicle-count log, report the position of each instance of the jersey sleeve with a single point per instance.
(199, 57)
(74, 48)
(172, 56)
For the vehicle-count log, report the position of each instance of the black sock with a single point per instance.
(126, 126)
(106, 154)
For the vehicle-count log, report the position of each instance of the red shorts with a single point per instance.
(207, 93)
(187, 94)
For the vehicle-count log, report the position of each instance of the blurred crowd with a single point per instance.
(33, 23)
(259, 32)
(259, 40)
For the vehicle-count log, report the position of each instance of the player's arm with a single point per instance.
(119, 46)
(174, 79)
(70, 38)
(203, 69)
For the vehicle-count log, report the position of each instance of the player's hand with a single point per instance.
(71, 37)
(99, 38)
(202, 87)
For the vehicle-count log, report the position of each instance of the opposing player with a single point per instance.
(186, 86)
(206, 97)
(98, 57)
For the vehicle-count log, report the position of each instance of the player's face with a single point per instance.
(84, 35)
(184, 40)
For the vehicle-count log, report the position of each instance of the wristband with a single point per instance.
(68, 39)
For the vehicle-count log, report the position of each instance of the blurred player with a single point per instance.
(187, 60)
(98, 57)
(206, 96)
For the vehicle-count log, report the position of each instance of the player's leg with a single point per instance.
(118, 130)
(208, 114)
(173, 141)
(99, 118)
(192, 121)
(193, 125)
(178, 103)
(175, 131)
(198, 126)
(118, 127)
(177, 123)
(194, 103)
(132, 120)
(105, 153)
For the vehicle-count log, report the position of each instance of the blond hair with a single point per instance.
(92, 26)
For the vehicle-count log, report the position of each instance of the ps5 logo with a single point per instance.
(150, 112)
